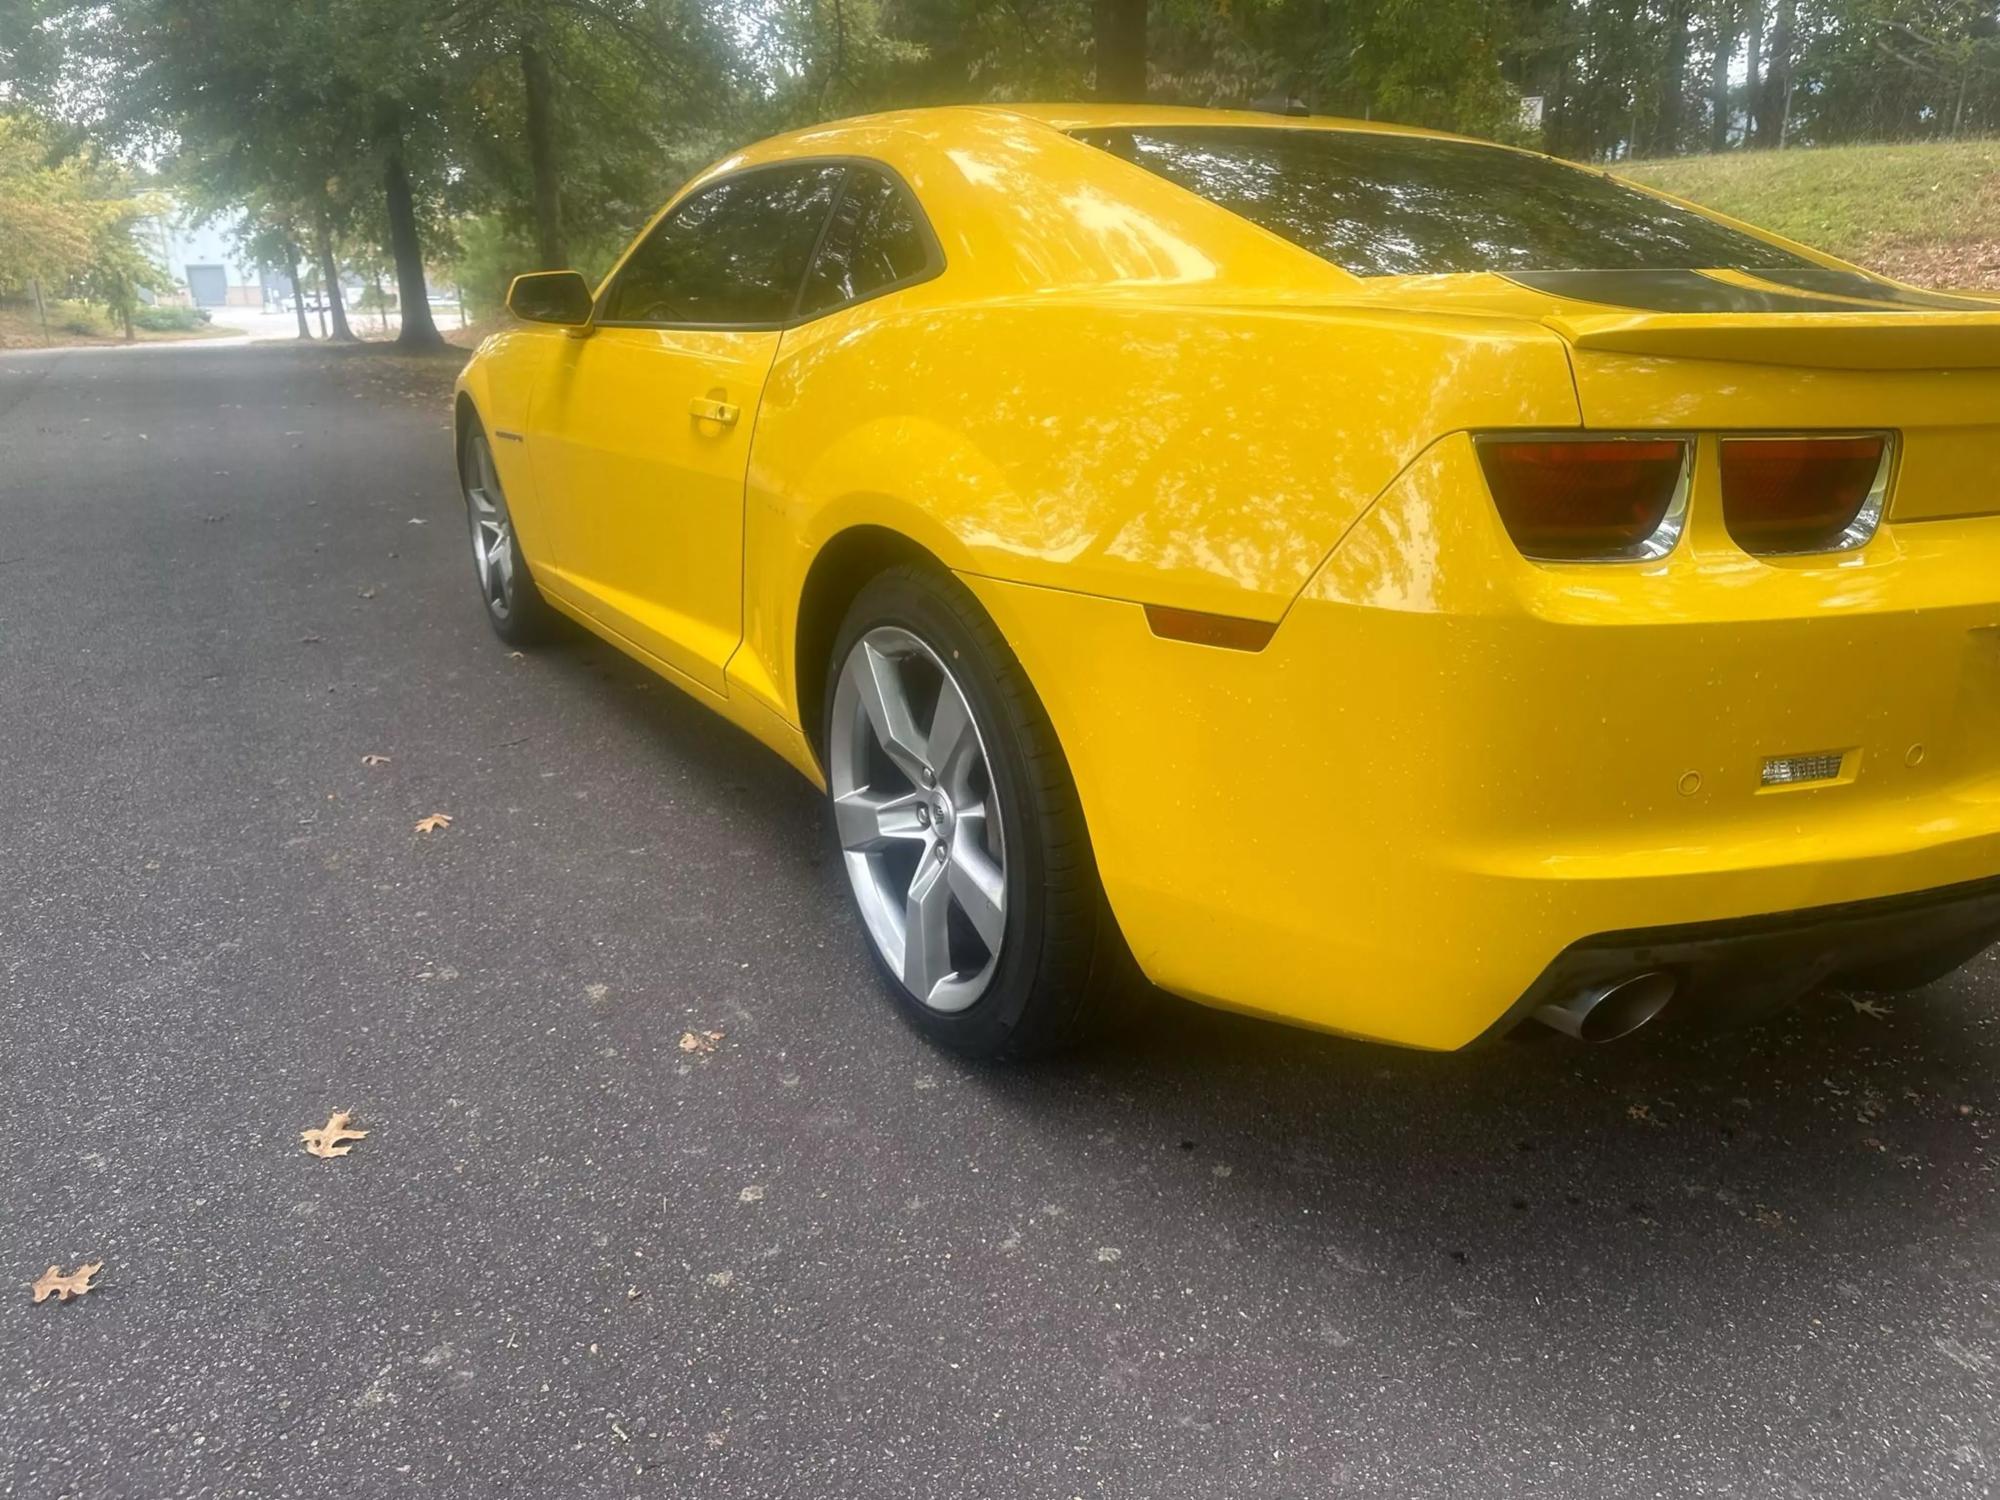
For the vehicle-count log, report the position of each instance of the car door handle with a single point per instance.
(705, 409)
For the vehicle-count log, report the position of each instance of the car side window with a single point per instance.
(733, 253)
(875, 240)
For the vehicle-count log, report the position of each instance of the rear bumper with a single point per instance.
(1451, 768)
(1751, 964)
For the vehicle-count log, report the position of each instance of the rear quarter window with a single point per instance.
(1396, 205)
(875, 240)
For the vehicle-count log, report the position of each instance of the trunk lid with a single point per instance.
(1803, 350)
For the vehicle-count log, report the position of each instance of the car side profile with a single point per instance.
(1383, 581)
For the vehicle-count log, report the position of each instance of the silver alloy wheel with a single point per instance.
(492, 528)
(918, 818)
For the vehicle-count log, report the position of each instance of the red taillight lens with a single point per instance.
(1803, 494)
(1582, 499)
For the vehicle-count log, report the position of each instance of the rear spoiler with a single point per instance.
(1821, 316)
(1839, 341)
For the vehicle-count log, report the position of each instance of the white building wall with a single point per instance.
(204, 262)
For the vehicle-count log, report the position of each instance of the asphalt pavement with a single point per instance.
(809, 1257)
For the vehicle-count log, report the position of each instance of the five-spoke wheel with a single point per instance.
(959, 826)
(492, 528)
(919, 821)
(514, 605)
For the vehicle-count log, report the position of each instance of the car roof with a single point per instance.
(943, 122)
(1131, 116)
(1025, 237)
(1020, 207)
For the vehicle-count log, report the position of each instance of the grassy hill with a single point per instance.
(1928, 214)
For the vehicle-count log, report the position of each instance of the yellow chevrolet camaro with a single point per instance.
(1375, 579)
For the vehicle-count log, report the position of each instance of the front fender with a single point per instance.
(497, 387)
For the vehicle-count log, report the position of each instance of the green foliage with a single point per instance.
(46, 218)
(1904, 69)
(166, 318)
(120, 265)
(70, 315)
(72, 224)
(527, 127)
(492, 252)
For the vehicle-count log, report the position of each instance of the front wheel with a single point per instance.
(514, 606)
(960, 829)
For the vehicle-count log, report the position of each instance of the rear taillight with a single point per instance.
(1804, 494)
(1589, 499)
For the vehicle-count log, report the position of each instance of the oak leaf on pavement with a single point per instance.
(330, 1140)
(54, 1283)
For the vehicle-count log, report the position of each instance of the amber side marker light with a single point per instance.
(1804, 494)
(1595, 498)
(1229, 631)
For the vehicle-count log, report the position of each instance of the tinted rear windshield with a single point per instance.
(1402, 205)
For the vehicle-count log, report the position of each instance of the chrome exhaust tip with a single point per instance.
(1605, 1012)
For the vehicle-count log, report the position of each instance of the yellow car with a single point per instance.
(1384, 581)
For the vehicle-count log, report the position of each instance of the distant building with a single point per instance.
(209, 270)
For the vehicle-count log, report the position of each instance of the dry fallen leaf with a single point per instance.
(327, 1142)
(374, 760)
(1874, 1009)
(434, 822)
(699, 1041)
(54, 1284)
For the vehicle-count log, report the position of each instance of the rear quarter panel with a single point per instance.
(1137, 448)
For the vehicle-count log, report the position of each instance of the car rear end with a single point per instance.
(1703, 691)
(1791, 706)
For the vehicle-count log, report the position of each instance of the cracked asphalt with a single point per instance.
(1216, 1259)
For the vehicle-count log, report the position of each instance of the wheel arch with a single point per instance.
(838, 572)
(464, 416)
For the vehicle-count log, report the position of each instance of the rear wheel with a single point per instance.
(514, 605)
(960, 830)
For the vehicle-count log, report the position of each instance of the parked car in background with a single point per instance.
(1384, 581)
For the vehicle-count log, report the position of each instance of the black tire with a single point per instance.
(517, 612)
(1062, 973)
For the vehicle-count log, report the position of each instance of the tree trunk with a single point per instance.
(1753, 24)
(418, 331)
(125, 312)
(298, 286)
(1775, 103)
(42, 311)
(539, 97)
(329, 276)
(1673, 88)
(1718, 77)
(1120, 50)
